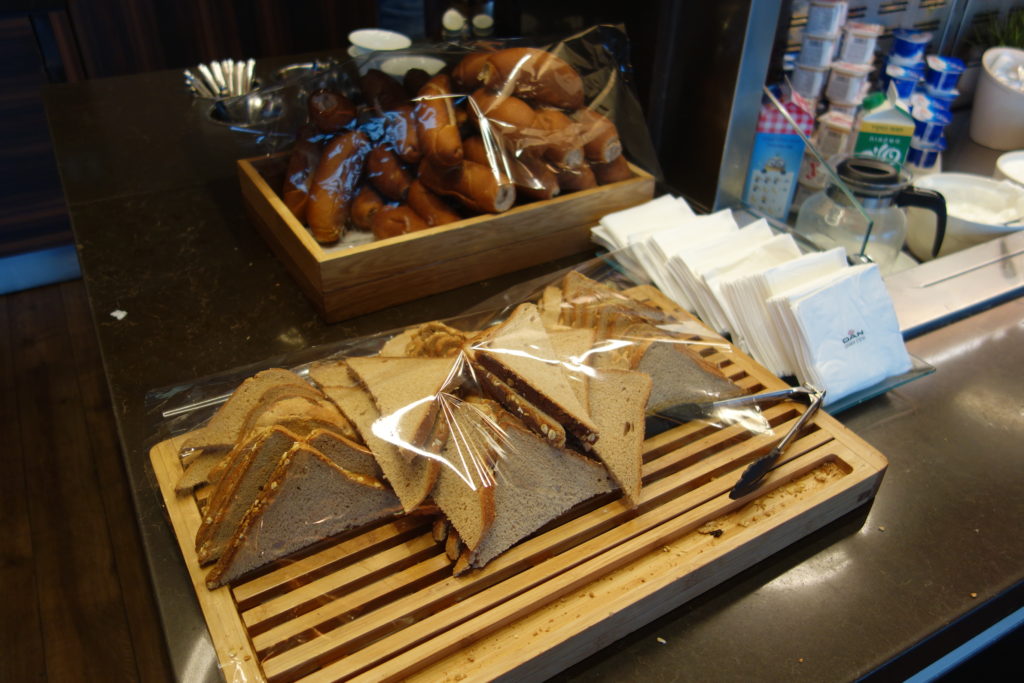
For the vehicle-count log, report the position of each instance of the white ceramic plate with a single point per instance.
(398, 66)
(374, 39)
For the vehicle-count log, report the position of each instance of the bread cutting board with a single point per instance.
(381, 603)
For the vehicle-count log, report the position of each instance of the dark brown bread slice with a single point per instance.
(532, 416)
(249, 471)
(412, 479)
(519, 352)
(307, 499)
(535, 484)
(618, 404)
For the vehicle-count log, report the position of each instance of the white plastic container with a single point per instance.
(818, 50)
(859, 41)
(834, 131)
(824, 17)
(1010, 166)
(847, 82)
(809, 80)
(997, 119)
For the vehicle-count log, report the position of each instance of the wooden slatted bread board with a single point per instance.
(381, 603)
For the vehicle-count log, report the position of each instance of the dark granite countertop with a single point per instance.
(936, 558)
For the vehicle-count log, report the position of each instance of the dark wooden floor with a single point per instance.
(75, 598)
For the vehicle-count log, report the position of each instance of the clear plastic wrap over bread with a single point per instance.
(547, 396)
(398, 142)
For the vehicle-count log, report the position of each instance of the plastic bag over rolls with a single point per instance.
(403, 141)
(545, 401)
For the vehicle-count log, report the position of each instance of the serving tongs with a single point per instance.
(756, 471)
(701, 410)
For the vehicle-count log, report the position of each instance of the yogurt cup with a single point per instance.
(824, 17)
(818, 50)
(843, 108)
(942, 73)
(908, 45)
(925, 156)
(929, 124)
(809, 80)
(859, 42)
(847, 82)
(906, 79)
(942, 99)
(834, 130)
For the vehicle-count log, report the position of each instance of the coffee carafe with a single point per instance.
(829, 219)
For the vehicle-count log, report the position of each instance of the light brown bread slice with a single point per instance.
(535, 483)
(572, 346)
(618, 404)
(345, 453)
(406, 392)
(412, 479)
(307, 499)
(679, 373)
(465, 485)
(229, 424)
(250, 468)
(519, 352)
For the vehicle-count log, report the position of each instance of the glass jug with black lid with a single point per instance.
(872, 224)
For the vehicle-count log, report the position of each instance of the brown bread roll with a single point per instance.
(396, 220)
(431, 208)
(509, 115)
(601, 142)
(473, 184)
(330, 111)
(381, 91)
(533, 178)
(301, 165)
(413, 80)
(613, 171)
(576, 179)
(365, 204)
(400, 132)
(386, 173)
(334, 184)
(466, 74)
(559, 137)
(536, 75)
(436, 123)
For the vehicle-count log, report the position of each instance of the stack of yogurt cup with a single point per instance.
(818, 47)
(931, 109)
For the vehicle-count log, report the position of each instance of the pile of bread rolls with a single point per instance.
(497, 129)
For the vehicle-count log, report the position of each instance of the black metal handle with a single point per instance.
(932, 201)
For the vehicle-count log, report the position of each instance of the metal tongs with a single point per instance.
(683, 412)
(756, 471)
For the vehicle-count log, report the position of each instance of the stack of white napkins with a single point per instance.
(844, 331)
(808, 315)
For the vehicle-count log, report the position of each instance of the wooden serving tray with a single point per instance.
(381, 604)
(343, 282)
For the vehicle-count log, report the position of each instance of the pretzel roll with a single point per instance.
(601, 142)
(386, 173)
(576, 179)
(436, 123)
(329, 110)
(511, 116)
(615, 170)
(334, 184)
(381, 91)
(400, 131)
(533, 178)
(301, 165)
(431, 208)
(560, 137)
(413, 80)
(535, 75)
(365, 204)
(396, 220)
(473, 184)
(466, 74)
(473, 150)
